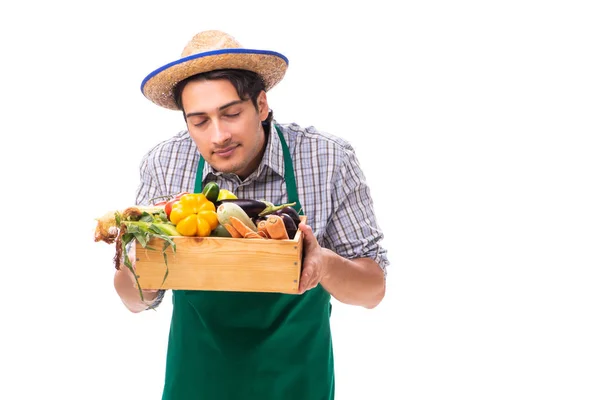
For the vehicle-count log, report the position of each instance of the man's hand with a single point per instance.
(314, 266)
(358, 281)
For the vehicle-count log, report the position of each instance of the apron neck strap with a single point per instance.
(199, 173)
(290, 178)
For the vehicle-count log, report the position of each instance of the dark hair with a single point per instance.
(248, 84)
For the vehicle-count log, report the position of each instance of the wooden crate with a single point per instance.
(224, 264)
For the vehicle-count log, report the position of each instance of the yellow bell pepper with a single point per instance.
(194, 215)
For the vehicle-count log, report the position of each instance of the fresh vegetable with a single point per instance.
(194, 215)
(228, 209)
(271, 208)
(167, 198)
(232, 231)
(160, 228)
(211, 191)
(107, 226)
(169, 206)
(194, 225)
(225, 194)
(255, 208)
(262, 229)
(180, 195)
(276, 228)
(220, 231)
(244, 230)
(291, 212)
(136, 223)
(250, 207)
(290, 225)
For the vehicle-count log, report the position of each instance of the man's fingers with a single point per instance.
(313, 281)
(309, 278)
(310, 241)
(305, 278)
(306, 275)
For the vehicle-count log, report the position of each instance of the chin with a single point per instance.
(226, 167)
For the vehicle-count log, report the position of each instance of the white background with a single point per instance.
(476, 124)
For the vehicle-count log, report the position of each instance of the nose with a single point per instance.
(220, 134)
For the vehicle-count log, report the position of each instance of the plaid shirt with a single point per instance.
(331, 186)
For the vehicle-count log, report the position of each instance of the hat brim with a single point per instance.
(158, 85)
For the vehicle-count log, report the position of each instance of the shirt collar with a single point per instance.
(273, 157)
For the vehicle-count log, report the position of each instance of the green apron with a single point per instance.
(245, 345)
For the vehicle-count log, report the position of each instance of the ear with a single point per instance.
(263, 105)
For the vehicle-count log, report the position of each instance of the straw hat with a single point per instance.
(208, 51)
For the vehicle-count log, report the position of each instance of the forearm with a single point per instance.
(358, 282)
(129, 293)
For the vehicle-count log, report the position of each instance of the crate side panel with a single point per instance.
(221, 264)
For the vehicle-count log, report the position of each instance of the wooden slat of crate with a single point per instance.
(227, 264)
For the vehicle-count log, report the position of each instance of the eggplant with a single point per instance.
(251, 207)
(259, 218)
(291, 226)
(256, 208)
(290, 212)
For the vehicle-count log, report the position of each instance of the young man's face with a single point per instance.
(227, 130)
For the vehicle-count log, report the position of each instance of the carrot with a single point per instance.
(242, 228)
(276, 228)
(232, 231)
(253, 235)
(262, 229)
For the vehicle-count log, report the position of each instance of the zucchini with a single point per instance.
(227, 210)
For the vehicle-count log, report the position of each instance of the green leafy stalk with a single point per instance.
(126, 239)
(144, 229)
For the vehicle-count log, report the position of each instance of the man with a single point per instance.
(230, 345)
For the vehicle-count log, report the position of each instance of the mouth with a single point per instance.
(226, 152)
